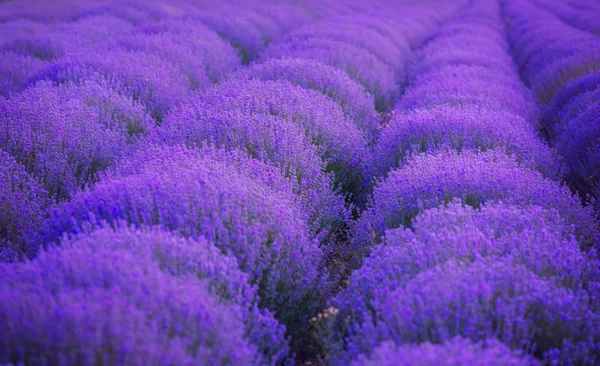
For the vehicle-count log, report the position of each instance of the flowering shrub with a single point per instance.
(579, 142)
(258, 225)
(476, 178)
(580, 14)
(549, 51)
(209, 182)
(146, 78)
(186, 52)
(378, 78)
(353, 34)
(15, 71)
(22, 202)
(313, 117)
(190, 45)
(273, 140)
(65, 135)
(203, 261)
(81, 304)
(572, 99)
(461, 128)
(309, 74)
(457, 351)
(535, 237)
(493, 298)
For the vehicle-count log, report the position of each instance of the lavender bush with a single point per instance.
(201, 260)
(83, 304)
(455, 352)
(196, 196)
(65, 135)
(22, 203)
(297, 182)
(476, 178)
(335, 84)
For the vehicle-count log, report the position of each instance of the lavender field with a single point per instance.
(300, 182)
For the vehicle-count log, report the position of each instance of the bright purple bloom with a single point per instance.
(276, 141)
(455, 352)
(49, 41)
(204, 262)
(146, 78)
(83, 304)
(22, 204)
(488, 298)
(575, 97)
(355, 34)
(461, 128)
(315, 118)
(378, 78)
(198, 196)
(65, 135)
(194, 47)
(476, 178)
(335, 84)
(579, 142)
(15, 71)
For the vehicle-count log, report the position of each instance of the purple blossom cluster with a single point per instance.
(351, 96)
(276, 182)
(455, 352)
(64, 135)
(577, 13)
(366, 48)
(88, 302)
(561, 62)
(469, 233)
(22, 203)
(198, 254)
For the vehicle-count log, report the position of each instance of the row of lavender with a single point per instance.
(206, 224)
(95, 87)
(499, 264)
(562, 65)
(195, 224)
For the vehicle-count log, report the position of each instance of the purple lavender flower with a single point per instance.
(476, 178)
(569, 101)
(377, 77)
(354, 34)
(455, 352)
(15, 71)
(536, 237)
(239, 30)
(261, 227)
(189, 56)
(146, 78)
(49, 41)
(22, 203)
(461, 128)
(65, 135)
(549, 52)
(84, 304)
(461, 90)
(335, 84)
(286, 16)
(579, 142)
(340, 144)
(189, 44)
(579, 14)
(275, 141)
(489, 298)
(204, 262)
(532, 236)
(555, 75)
